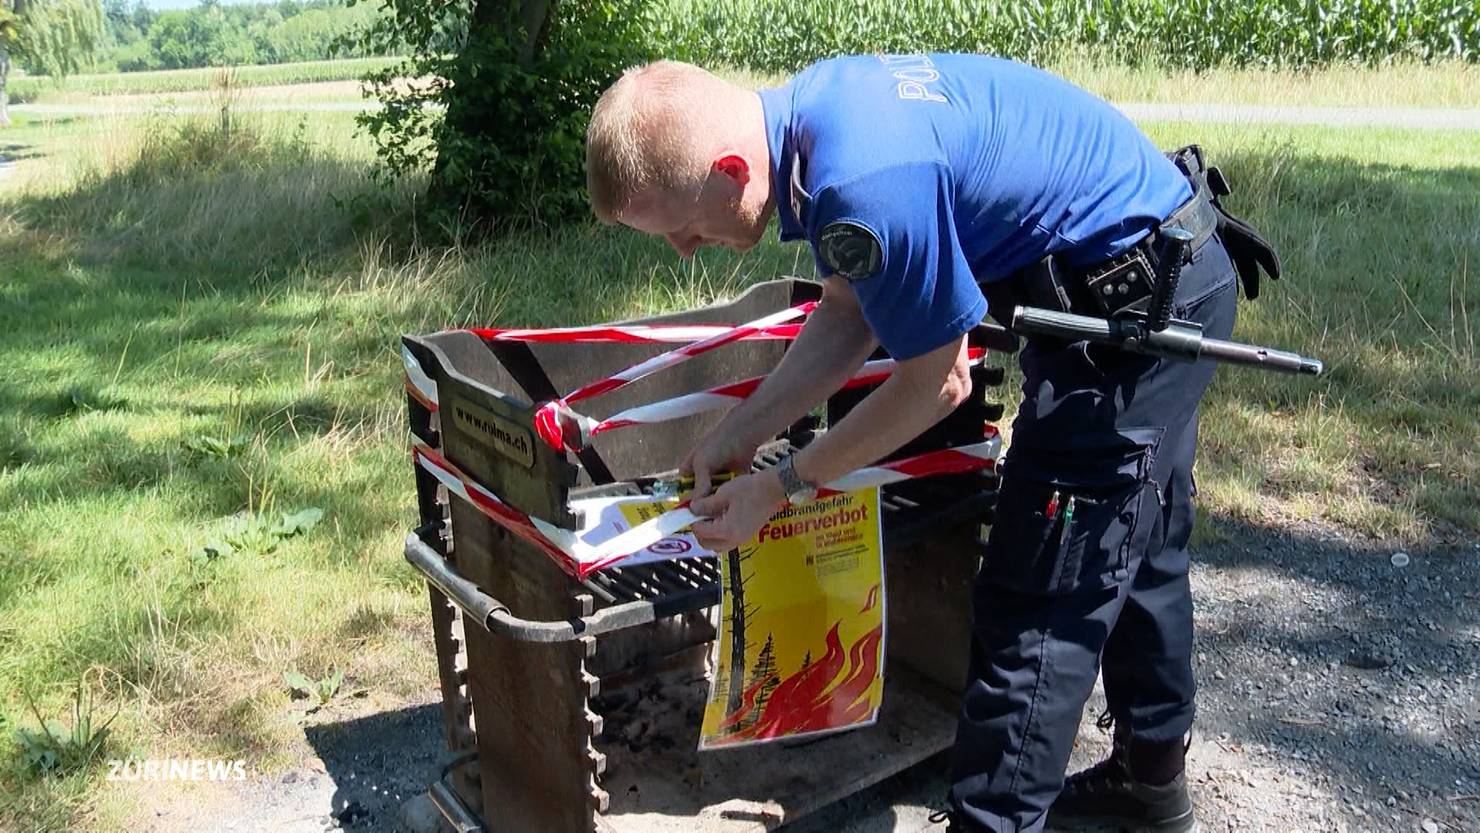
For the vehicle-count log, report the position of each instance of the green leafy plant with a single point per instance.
(256, 534)
(321, 690)
(55, 748)
(206, 445)
(81, 399)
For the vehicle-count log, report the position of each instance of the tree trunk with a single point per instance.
(535, 14)
(468, 103)
(17, 8)
(4, 76)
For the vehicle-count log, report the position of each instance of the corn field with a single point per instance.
(784, 35)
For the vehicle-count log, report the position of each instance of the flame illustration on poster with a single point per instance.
(801, 640)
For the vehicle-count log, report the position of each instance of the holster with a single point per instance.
(1247, 248)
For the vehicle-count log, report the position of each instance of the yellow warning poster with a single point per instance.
(801, 639)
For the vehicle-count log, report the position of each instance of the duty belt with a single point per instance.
(1126, 282)
(1128, 304)
(1108, 288)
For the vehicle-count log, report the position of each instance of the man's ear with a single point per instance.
(734, 166)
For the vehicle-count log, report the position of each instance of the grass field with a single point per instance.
(1401, 85)
(34, 88)
(198, 336)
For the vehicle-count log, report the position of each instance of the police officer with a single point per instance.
(920, 180)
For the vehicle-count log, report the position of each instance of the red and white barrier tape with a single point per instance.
(699, 338)
(982, 455)
(421, 386)
(976, 457)
(548, 420)
(724, 396)
(424, 389)
(580, 558)
(634, 334)
(561, 544)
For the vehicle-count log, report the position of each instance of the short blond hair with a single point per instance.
(647, 132)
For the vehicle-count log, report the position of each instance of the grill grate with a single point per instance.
(910, 510)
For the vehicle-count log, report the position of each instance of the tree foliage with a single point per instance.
(55, 37)
(498, 97)
(211, 34)
(51, 36)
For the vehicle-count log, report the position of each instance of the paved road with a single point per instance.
(1418, 117)
(164, 106)
(1450, 119)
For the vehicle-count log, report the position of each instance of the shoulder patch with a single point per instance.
(850, 250)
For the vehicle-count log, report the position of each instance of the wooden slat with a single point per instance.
(529, 698)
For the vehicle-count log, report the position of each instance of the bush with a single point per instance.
(510, 150)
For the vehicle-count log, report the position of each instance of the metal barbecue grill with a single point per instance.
(573, 705)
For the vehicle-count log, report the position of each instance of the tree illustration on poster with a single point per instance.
(765, 674)
(736, 688)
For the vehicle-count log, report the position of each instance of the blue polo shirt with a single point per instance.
(916, 176)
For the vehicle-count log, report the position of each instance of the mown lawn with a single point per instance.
(198, 335)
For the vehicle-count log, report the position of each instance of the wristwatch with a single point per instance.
(798, 491)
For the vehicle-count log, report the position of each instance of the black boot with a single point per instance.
(1109, 793)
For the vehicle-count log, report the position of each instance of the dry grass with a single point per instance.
(1398, 85)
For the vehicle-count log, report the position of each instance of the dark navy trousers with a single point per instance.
(1086, 563)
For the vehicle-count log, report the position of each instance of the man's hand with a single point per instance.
(734, 513)
(718, 451)
(832, 345)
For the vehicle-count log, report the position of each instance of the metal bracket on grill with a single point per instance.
(445, 799)
(496, 618)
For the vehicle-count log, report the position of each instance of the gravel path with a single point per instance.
(1454, 119)
(164, 105)
(1338, 693)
